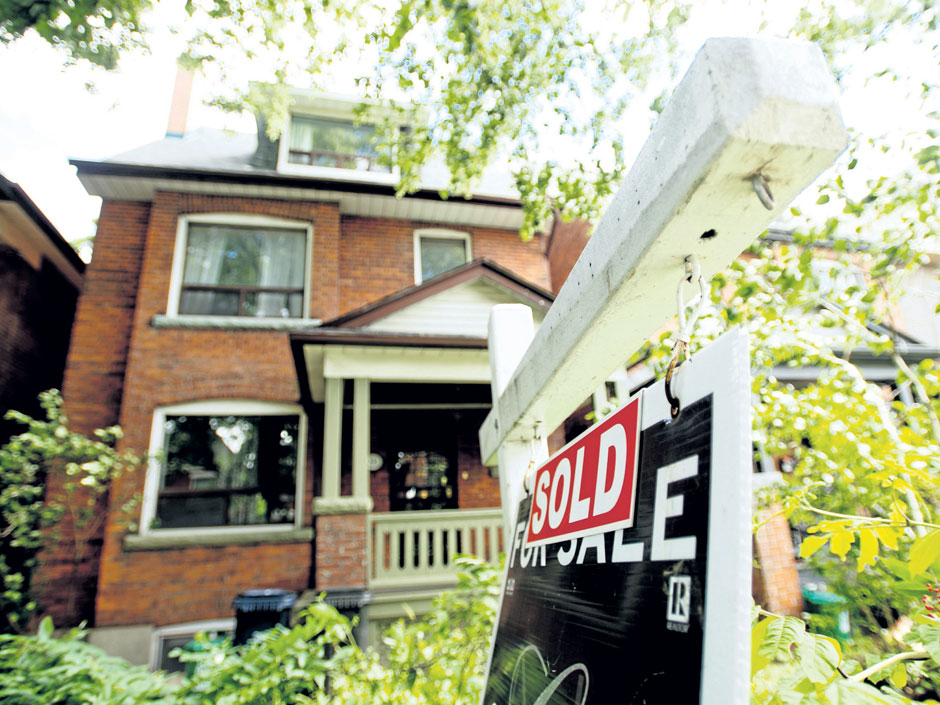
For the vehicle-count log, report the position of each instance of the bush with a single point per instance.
(41, 670)
(437, 660)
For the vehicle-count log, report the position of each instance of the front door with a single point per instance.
(420, 451)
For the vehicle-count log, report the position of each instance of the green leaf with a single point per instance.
(819, 657)
(811, 544)
(45, 628)
(842, 541)
(868, 548)
(924, 551)
(781, 634)
(929, 636)
(898, 677)
(758, 634)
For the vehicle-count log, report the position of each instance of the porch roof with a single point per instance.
(373, 342)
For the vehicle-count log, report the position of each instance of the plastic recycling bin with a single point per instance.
(828, 604)
(260, 610)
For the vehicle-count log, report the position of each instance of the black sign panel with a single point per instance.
(615, 617)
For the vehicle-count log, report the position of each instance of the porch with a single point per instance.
(417, 548)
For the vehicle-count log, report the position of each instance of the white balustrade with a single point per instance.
(417, 548)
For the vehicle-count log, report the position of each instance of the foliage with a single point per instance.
(42, 670)
(82, 469)
(437, 660)
(97, 31)
(511, 83)
(862, 456)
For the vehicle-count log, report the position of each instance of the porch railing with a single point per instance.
(413, 548)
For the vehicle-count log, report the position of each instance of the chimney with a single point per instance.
(179, 103)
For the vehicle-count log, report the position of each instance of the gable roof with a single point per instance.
(477, 269)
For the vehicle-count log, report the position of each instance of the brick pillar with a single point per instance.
(341, 551)
(774, 546)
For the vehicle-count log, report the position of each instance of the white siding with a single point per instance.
(462, 310)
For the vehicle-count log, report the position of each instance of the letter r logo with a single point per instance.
(680, 593)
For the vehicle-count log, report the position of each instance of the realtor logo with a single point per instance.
(680, 592)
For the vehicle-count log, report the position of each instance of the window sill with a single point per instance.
(158, 541)
(233, 322)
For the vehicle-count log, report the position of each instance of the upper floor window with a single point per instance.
(222, 464)
(439, 251)
(333, 143)
(250, 267)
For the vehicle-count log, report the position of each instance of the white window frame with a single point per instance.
(237, 220)
(190, 629)
(328, 172)
(439, 234)
(219, 407)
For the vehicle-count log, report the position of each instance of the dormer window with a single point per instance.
(334, 144)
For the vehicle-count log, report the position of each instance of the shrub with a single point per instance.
(41, 670)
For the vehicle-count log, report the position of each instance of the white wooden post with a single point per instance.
(362, 437)
(332, 437)
(510, 332)
(746, 107)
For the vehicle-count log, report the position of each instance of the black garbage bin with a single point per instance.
(260, 610)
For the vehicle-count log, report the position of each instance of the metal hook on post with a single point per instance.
(693, 274)
(761, 187)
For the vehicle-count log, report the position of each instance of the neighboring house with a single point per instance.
(303, 355)
(40, 280)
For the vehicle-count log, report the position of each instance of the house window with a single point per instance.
(334, 143)
(166, 639)
(243, 270)
(225, 465)
(439, 251)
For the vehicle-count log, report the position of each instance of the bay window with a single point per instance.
(224, 464)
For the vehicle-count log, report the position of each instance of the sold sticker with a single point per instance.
(589, 486)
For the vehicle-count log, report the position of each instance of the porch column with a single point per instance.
(361, 437)
(332, 437)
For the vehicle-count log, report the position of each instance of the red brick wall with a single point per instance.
(188, 585)
(341, 551)
(92, 387)
(175, 365)
(476, 489)
(564, 247)
(378, 256)
(370, 259)
(780, 587)
(94, 375)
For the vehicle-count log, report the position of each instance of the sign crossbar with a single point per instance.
(751, 124)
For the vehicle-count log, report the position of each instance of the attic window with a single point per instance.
(439, 251)
(333, 143)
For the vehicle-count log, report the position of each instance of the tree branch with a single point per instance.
(888, 662)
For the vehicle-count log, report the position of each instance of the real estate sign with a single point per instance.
(628, 577)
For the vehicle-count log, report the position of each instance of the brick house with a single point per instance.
(40, 280)
(303, 355)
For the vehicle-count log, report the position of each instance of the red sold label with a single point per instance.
(589, 486)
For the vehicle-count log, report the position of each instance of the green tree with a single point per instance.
(81, 470)
(507, 82)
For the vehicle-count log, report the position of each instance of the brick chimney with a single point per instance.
(179, 103)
